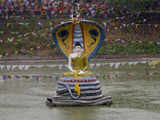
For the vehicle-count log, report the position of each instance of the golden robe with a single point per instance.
(80, 63)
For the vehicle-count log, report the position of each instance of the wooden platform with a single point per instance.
(63, 101)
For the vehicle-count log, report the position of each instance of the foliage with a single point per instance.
(133, 4)
(148, 47)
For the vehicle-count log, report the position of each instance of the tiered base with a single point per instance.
(91, 93)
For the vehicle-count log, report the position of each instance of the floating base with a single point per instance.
(90, 93)
(63, 101)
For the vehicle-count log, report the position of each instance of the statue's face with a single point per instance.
(78, 49)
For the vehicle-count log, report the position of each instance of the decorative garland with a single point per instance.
(27, 76)
(115, 65)
(107, 76)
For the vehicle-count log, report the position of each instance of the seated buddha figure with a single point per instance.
(78, 61)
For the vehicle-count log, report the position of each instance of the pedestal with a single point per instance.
(90, 93)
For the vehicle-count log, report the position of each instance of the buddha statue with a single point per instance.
(77, 62)
(78, 41)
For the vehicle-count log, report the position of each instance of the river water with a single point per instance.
(134, 89)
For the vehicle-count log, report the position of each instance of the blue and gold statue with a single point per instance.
(78, 40)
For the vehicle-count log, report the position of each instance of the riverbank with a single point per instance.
(33, 37)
